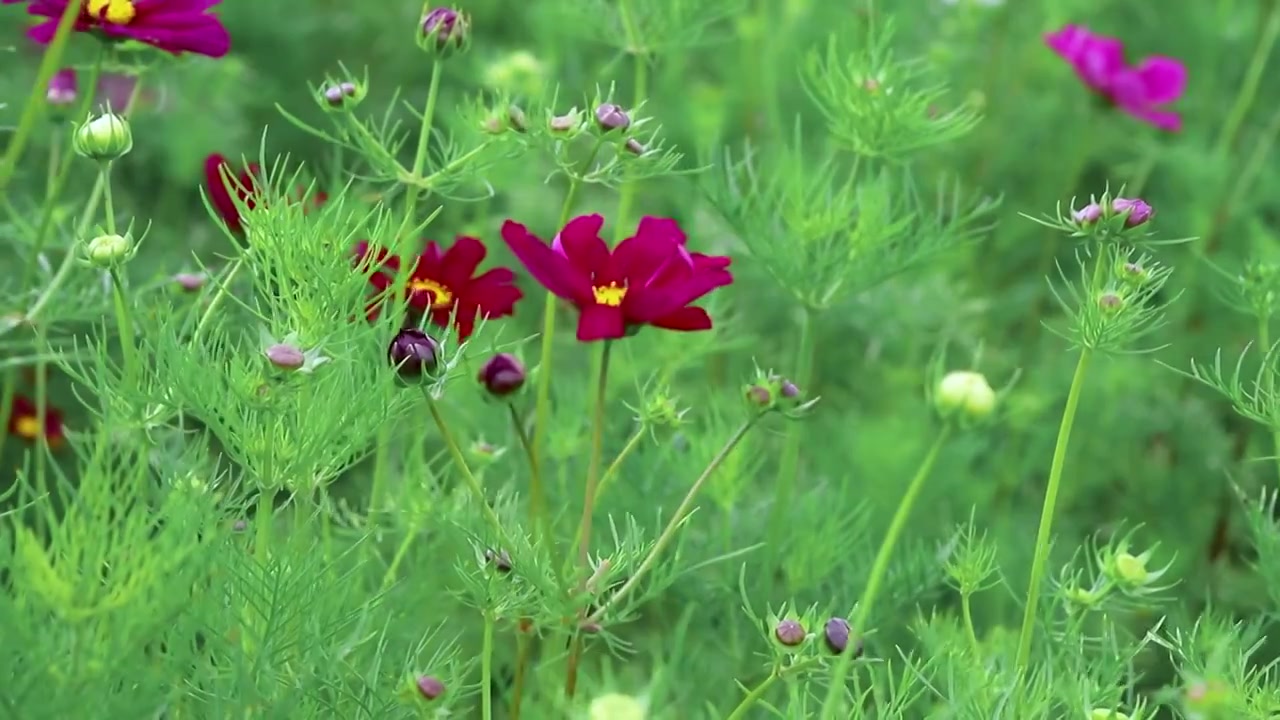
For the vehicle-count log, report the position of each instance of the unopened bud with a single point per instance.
(1136, 212)
(1088, 215)
(836, 635)
(108, 251)
(563, 123)
(190, 282)
(414, 353)
(104, 138)
(616, 706)
(1104, 714)
(500, 560)
(1110, 302)
(430, 686)
(1131, 569)
(343, 94)
(967, 393)
(516, 118)
(285, 357)
(502, 375)
(760, 397)
(62, 88)
(611, 117)
(444, 30)
(789, 633)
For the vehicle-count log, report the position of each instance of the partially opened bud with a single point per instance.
(502, 375)
(444, 30)
(1136, 212)
(611, 117)
(414, 353)
(104, 138)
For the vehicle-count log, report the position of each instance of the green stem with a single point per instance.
(263, 524)
(35, 105)
(535, 473)
(880, 568)
(124, 322)
(1264, 339)
(789, 464)
(626, 195)
(460, 460)
(218, 295)
(612, 471)
(42, 412)
(523, 643)
(1041, 556)
(677, 520)
(1253, 79)
(966, 608)
(412, 191)
(760, 689)
(486, 669)
(401, 552)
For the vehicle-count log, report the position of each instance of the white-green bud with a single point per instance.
(108, 251)
(104, 138)
(616, 706)
(967, 393)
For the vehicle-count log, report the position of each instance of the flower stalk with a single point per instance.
(460, 461)
(789, 464)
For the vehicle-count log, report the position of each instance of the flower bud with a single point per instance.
(635, 147)
(967, 393)
(62, 88)
(492, 125)
(108, 251)
(104, 138)
(414, 353)
(564, 123)
(189, 282)
(342, 95)
(500, 560)
(611, 117)
(616, 706)
(502, 375)
(1130, 569)
(285, 356)
(1136, 212)
(1088, 215)
(1110, 302)
(517, 119)
(444, 30)
(1102, 714)
(760, 397)
(1133, 273)
(836, 635)
(790, 633)
(430, 686)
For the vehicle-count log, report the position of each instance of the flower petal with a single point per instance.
(686, 319)
(580, 242)
(601, 322)
(1163, 78)
(551, 269)
(461, 260)
(219, 193)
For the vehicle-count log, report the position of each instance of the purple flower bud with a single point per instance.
(789, 632)
(285, 357)
(62, 87)
(563, 123)
(759, 396)
(336, 95)
(502, 375)
(500, 560)
(447, 25)
(1088, 215)
(414, 353)
(836, 634)
(789, 390)
(635, 147)
(611, 117)
(430, 686)
(1138, 211)
(1110, 302)
(190, 282)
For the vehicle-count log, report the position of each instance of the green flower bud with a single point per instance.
(1131, 569)
(108, 251)
(104, 138)
(616, 706)
(1100, 714)
(965, 393)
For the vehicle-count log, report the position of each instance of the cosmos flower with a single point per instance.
(25, 422)
(174, 26)
(1143, 91)
(221, 181)
(443, 285)
(648, 279)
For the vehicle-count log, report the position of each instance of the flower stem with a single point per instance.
(535, 473)
(1041, 556)
(486, 669)
(263, 524)
(460, 461)
(612, 471)
(760, 689)
(626, 194)
(881, 567)
(412, 191)
(789, 465)
(523, 643)
(677, 519)
(1264, 339)
(1252, 79)
(966, 609)
(589, 496)
(35, 104)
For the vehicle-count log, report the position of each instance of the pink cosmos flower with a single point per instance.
(1142, 91)
(175, 26)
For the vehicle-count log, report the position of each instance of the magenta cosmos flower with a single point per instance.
(1142, 91)
(648, 279)
(175, 26)
(443, 285)
(222, 180)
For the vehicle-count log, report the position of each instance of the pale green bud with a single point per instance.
(967, 393)
(104, 138)
(616, 706)
(108, 251)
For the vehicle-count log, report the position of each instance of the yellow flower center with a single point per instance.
(28, 426)
(441, 298)
(610, 294)
(116, 12)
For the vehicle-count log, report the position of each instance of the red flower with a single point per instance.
(222, 181)
(25, 422)
(648, 279)
(443, 285)
(175, 26)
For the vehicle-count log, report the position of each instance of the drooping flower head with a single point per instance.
(25, 422)
(443, 285)
(174, 26)
(62, 87)
(221, 181)
(1143, 91)
(650, 278)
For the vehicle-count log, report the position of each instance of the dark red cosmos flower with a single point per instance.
(222, 181)
(444, 285)
(648, 279)
(25, 422)
(175, 26)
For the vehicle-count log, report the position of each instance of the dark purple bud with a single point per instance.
(789, 632)
(191, 282)
(448, 26)
(62, 87)
(502, 375)
(611, 117)
(499, 560)
(1138, 212)
(836, 634)
(338, 94)
(285, 357)
(430, 686)
(789, 390)
(1088, 214)
(760, 396)
(414, 353)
